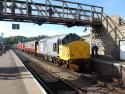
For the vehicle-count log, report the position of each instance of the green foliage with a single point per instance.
(16, 39)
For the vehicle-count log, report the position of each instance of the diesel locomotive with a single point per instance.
(67, 50)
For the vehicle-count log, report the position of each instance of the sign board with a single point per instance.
(122, 49)
(15, 26)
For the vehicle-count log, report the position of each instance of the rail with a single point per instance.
(34, 73)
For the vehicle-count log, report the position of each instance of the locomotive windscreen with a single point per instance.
(70, 38)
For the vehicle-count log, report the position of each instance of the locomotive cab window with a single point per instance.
(55, 47)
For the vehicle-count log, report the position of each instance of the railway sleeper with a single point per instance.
(117, 87)
(77, 65)
(56, 86)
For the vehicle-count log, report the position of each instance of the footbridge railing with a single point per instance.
(62, 12)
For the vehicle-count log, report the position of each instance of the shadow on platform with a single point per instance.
(12, 73)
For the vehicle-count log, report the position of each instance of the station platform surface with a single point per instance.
(15, 78)
(108, 67)
(105, 59)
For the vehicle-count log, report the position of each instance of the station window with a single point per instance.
(55, 47)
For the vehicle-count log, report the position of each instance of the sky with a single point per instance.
(111, 7)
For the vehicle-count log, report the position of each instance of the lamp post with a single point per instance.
(1, 44)
(1, 39)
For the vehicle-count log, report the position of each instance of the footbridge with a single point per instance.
(105, 28)
(63, 12)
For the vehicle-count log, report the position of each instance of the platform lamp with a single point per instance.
(1, 43)
(2, 40)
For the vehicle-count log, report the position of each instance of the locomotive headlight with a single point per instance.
(68, 54)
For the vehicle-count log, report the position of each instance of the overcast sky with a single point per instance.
(111, 7)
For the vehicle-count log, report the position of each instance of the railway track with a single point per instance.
(52, 85)
(97, 87)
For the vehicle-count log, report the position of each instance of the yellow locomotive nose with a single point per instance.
(76, 52)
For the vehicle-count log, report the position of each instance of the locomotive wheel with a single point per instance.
(65, 66)
(86, 67)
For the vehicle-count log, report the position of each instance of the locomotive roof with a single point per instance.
(69, 38)
(65, 38)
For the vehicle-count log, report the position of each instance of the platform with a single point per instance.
(109, 68)
(15, 78)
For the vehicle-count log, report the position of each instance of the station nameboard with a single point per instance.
(15, 26)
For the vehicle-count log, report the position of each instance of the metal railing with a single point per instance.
(64, 10)
(117, 32)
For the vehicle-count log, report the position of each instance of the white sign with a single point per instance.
(122, 50)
